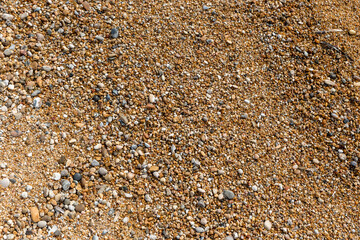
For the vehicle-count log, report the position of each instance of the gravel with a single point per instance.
(179, 119)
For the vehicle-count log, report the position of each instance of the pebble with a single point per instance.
(37, 102)
(352, 32)
(342, 156)
(203, 221)
(148, 198)
(41, 224)
(267, 225)
(46, 68)
(114, 33)
(64, 173)
(229, 237)
(102, 171)
(65, 184)
(5, 182)
(80, 208)
(199, 229)
(228, 194)
(77, 177)
(329, 82)
(8, 52)
(7, 17)
(24, 195)
(97, 146)
(34, 213)
(24, 15)
(99, 38)
(56, 176)
(152, 98)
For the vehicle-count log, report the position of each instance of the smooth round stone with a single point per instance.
(77, 176)
(65, 185)
(229, 238)
(267, 225)
(41, 224)
(95, 238)
(254, 188)
(228, 194)
(240, 171)
(102, 171)
(5, 182)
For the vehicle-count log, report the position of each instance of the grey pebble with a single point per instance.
(77, 176)
(114, 33)
(199, 229)
(64, 173)
(95, 163)
(228, 194)
(65, 185)
(102, 171)
(41, 224)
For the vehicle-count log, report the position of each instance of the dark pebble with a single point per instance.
(114, 33)
(96, 98)
(77, 177)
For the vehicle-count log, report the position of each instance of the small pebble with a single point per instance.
(267, 225)
(41, 224)
(5, 182)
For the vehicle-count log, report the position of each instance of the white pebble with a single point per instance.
(24, 195)
(56, 176)
(267, 225)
